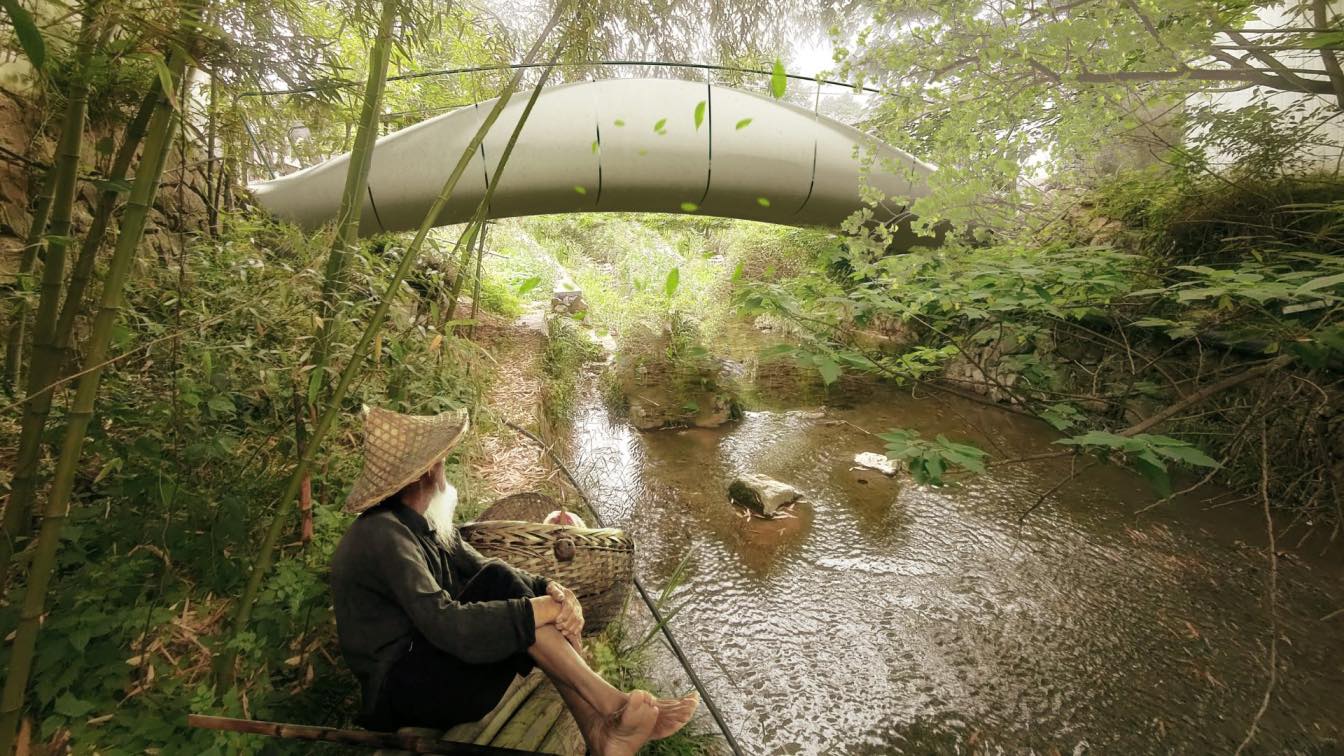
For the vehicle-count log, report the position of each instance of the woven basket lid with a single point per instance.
(400, 448)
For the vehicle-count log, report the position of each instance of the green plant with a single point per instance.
(929, 461)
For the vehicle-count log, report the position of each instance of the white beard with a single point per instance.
(440, 510)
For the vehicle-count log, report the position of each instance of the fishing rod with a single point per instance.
(346, 84)
(643, 594)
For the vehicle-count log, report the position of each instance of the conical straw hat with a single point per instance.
(400, 448)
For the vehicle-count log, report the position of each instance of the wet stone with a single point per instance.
(763, 496)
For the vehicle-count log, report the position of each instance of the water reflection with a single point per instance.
(893, 617)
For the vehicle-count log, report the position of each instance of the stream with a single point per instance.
(891, 617)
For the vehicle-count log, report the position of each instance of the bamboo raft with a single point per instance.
(530, 717)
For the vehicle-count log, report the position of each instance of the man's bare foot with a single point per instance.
(626, 731)
(673, 714)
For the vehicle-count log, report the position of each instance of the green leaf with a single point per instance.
(528, 285)
(166, 81)
(1323, 282)
(1155, 473)
(595, 146)
(619, 123)
(673, 280)
(778, 80)
(580, 190)
(68, 706)
(660, 127)
(829, 369)
(738, 272)
(689, 207)
(763, 202)
(1096, 438)
(109, 186)
(699, 114)
(314, 383)
(742, 124)
(30, 39)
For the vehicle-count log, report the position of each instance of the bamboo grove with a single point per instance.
(128, 193)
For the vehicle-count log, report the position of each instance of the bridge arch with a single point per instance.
(624, 145)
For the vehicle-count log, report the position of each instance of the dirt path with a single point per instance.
(506, 462)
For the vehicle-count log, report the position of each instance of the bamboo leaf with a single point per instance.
(699, 114)
(778, 80)
(742, 124)
(30, 39)
(689, 207)
(528, 285)
(673, 280)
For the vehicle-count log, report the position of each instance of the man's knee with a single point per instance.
(503, 582)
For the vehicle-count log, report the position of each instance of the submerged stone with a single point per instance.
(875, 461)
(763, 496)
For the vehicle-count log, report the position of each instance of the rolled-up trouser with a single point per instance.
(430, 688)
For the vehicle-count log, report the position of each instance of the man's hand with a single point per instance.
(570, 620)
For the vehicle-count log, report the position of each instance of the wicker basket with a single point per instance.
(597, 564)
(529, 506)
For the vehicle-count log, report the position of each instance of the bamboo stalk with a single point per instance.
(477, 223)
(64, 178)
(365, 738)
(37, 405)
(356, 186)
(37, 228)
(266, 553)
(141, 199)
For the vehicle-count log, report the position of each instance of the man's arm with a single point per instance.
(477, 632)
(469, 561)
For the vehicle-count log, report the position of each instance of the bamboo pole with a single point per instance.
(65, 175)
(141, 199)
(266, 553)
(356, 188)
(37, 228)
(659, 621)
(403, 742)
(37, 405)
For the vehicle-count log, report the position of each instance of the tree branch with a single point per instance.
(1328, 57)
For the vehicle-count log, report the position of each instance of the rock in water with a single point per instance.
(875, 461)
(762, 495)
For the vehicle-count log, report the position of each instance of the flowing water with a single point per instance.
(890, 617)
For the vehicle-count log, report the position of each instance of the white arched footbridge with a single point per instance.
(628, 145)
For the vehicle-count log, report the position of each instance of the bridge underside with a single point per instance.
(629, 145)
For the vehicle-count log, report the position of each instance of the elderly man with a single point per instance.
(434, 631)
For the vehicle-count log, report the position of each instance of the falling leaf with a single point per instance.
(595, 145)
(435, 342)
(742, 124)
(619, 122)
(580, 189)
(778, 80)
(689, 207)
(763, 202)
(528, 285)
(699, 114)
(658, 128)
(673, 280)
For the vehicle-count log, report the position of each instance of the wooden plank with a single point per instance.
(542, 726)
(564, 739)
(507, 707)
(534, 707)
(468, 731)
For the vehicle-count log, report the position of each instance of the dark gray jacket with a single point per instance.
(392, 576)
